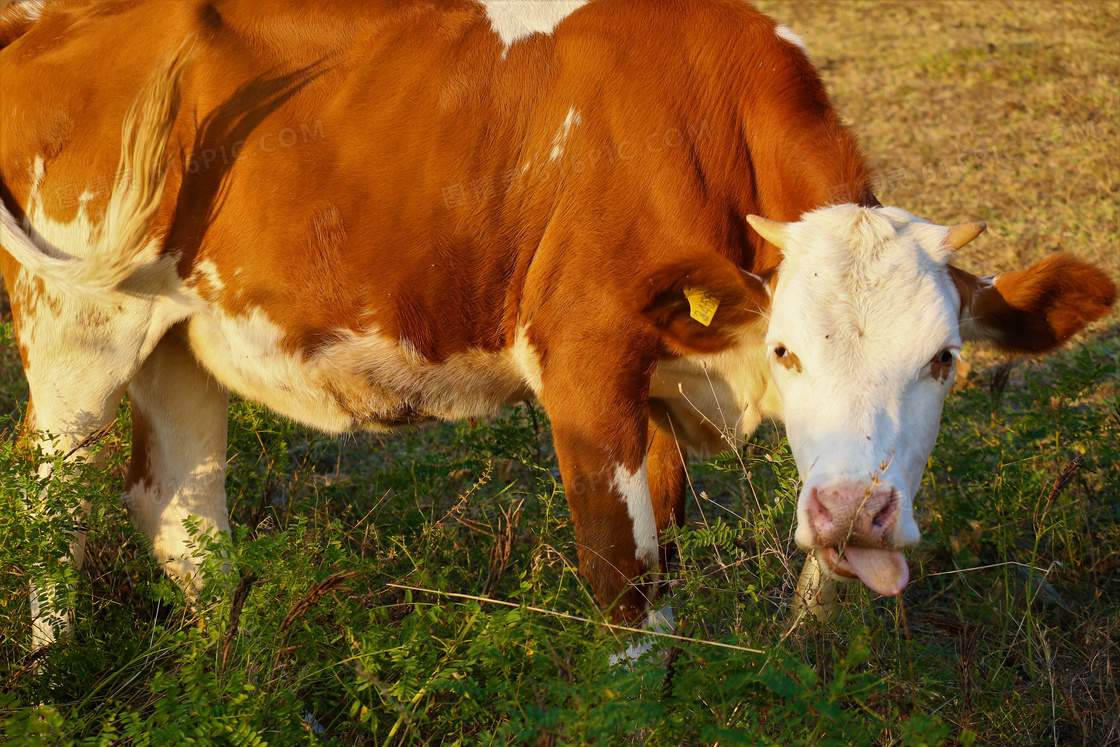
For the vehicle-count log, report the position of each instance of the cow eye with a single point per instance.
(941, 367)
(786, 358)
(944, 358)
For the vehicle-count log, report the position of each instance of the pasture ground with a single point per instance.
(1008, 634)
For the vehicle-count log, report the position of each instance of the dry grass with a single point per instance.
(998, 111)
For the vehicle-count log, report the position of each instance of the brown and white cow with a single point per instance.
(383, 212)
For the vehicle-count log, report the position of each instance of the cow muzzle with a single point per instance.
(859, 530)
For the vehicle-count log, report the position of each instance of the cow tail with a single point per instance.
(116, 250)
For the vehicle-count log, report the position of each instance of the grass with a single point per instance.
(1008, 634)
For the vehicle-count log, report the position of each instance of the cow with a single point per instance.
(645, 215)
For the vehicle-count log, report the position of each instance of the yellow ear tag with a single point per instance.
(702, 304)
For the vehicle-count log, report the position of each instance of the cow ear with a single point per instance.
(1033, 310)
(702, 304)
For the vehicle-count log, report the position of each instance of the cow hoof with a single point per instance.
(660, 620)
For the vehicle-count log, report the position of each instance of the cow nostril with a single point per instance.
(883, 518)
(819, 513)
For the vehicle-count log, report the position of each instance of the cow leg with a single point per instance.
(616, 532)
(599, 426)
(178, 462)
(665, 468)
(60, 423)
(75, 387)
(667, 482)
(815, 594)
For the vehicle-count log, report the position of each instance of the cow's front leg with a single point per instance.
(665, 471)
(667, 482)
(600, 429)
(616, 530)
(816, 592)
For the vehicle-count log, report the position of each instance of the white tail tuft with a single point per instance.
(115, 254)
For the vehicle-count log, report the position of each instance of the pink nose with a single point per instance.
(856, 515)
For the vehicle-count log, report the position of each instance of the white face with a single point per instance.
(862, 346)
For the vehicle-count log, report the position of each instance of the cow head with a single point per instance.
(866, 322)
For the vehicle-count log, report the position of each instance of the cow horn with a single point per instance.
(771, 230)
(963, 234)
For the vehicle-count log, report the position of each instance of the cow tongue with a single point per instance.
(883, 571)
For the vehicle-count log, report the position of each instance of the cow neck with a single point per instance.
(794, 153)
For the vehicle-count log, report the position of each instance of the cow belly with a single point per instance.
(355, 382)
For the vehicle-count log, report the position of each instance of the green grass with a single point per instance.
(1006, 634)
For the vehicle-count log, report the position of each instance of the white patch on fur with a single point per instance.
(527, 360)
(634, 489)
(716, 401)
(359, 381)
(122, 333)
(37, 171)
(784, 32)
(246, 353)
(207, 271)
(514, 20)
(572, 120)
